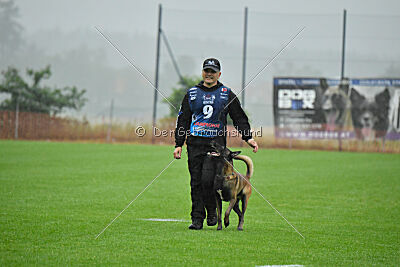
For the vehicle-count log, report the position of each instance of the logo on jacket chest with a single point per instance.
(224, 93)
(208, 99)
(192, 93)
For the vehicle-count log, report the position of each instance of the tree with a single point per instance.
(178, 93)
(10, 29)
(34, 97)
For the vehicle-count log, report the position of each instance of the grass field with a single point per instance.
(56, 197)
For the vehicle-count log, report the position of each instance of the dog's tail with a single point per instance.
(249, 164)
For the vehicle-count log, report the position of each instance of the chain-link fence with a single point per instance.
(371, 52)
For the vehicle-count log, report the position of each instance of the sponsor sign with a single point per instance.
(321, 108)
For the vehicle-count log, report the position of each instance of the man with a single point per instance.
(202, 117)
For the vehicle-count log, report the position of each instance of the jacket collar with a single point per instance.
(204, 88)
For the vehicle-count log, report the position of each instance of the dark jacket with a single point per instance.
(240, 120)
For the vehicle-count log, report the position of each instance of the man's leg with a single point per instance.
(207, 180)
(195, 162)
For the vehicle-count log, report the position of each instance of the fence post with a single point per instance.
(343, 81)
(157, 69)
(110, 122)
(16, 118)
(244, 55)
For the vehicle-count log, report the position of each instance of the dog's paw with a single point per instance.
(240, 228)
(219, 227)
(226, 222)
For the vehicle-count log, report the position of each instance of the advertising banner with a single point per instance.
(321, 108)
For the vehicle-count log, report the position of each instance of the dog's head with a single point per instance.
(223, 152)
(370, 116)
(334, 105)
(223, 155)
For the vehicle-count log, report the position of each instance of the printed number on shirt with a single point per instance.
(207, 111)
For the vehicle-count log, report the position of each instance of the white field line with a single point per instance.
(133, 200)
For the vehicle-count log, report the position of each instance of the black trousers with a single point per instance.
(202, 170)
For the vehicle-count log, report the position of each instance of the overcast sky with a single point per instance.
(128, 15)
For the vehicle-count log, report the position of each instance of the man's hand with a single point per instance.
(253, 144)
(177, 152)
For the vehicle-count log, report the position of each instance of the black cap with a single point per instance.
(212, 63)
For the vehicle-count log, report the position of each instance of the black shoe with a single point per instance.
(196, 225)
(211, 219)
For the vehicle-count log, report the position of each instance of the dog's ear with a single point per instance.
(383, 98)
(323, 84)
(345, 88)
(345, 85)
(214, 144)
(356, 97)
(235, 153)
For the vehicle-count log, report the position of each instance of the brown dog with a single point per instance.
(230, 185)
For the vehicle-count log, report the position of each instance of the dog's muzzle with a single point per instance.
(231, 176)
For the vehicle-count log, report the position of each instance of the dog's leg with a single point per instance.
(228, 211)
(218, 197)
(219, 210)
(237, 210)
(245, 199)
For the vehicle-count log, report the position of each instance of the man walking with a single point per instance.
(202, 118)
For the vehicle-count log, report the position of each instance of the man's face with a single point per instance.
(210, 76)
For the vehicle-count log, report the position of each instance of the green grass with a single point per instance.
(56, 197)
